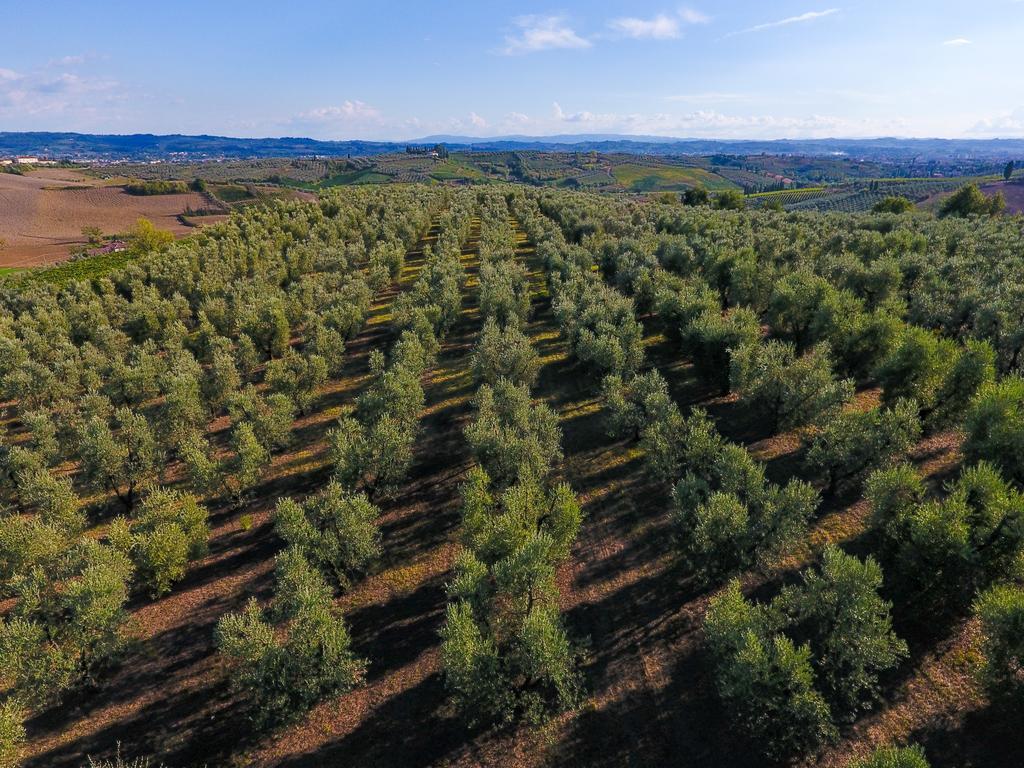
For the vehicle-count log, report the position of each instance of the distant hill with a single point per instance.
(144, 146)
(867, 149)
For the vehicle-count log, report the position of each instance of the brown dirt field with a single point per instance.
(1013, 192)
(40, 222)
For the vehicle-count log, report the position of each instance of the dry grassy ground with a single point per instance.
(637, 614)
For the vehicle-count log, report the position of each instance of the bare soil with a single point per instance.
(42, 213)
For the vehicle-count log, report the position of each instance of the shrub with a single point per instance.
(970, 200)
(730, 200)
(893, 204)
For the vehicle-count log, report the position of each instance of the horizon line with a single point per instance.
(581, 137)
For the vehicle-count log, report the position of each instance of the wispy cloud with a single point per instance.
(801, 19)
(957, 42)
(661, 27)
(542, 33)
(41, 93)
(476, 121)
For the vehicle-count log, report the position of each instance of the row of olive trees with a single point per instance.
(506, 653)
(297, 651)
(372, 445)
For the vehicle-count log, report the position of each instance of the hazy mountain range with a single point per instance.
(82, 146)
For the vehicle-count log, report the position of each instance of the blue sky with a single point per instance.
(398, 70)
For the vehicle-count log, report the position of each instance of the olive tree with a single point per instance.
(504, 352)
(765, 679)
(335, 530)
(994, 424)
(506, 654)
(1001, 611)
(169, 530)
(120, 460)
(789, 391)
(512, 436)
(282, 672)
(298, 377)
(854, 443)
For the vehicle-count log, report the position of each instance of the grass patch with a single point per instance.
(364, 176)
(81, 269)
(451, 170)
(229, 193)
(668, 178)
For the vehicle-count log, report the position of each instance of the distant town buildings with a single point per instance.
(26, 160)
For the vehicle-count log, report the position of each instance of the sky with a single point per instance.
(402, 70)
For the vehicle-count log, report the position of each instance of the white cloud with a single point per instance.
(956, 42)
(348, 110)
(477, 121)
(709, 123)
(661, 27)
(9, 74)
(1005, 125)
(542, 33)
(691, 16)
(802, 18)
